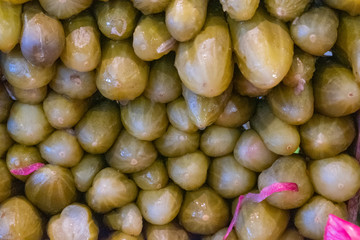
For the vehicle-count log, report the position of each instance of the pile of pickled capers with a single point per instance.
(152, 117)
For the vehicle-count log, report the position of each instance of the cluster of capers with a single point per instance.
(152, 117)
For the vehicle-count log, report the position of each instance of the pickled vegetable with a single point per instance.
(153, 177)
(352, 7)
(150, 6)
(51, 188)
(286, 10)
(63, 9)
(5, 104)
(129, 154)
(121, 74)
(74, 223)
(167, 231)
(5, 183)
(30, 96)
(42, 38)
(263, 47)
(245, 88)
(291, 234)
(189, 171)
(219, 235)
(110, 189)
(240, 10)
(315, 31)
(179, 117)
(5, 140)
(10, 26)
(205, 63)
(336, 178)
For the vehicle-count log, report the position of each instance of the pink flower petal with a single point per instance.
(27, 170)
(339, 229)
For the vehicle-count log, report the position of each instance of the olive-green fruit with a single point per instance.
(311, 218)
(175, 143)
(63, 112)
(291, 234)
(263, 47)
(153, 177)
(5, 103)
(85, 171)
(27, 124)
(129, 154)
(228, 178)
(76, 85)
(301, 70)
(74, 223)
(245, 88)
(286, 10)
(144, 119)
(160, 206)
(82, 50)
(352, 7)
(151, 6)
(237, 112)
(292, 106)
(30, 96)
(116, 19)
(185, 18)
(118, 235)
(251, 152)
(203, 111)
(278, 136)
(63, 9)
(5, 140)
(347, 45)
(61, 148)
(20, 156)
(205, 63)
(323, 137)
(336, 178)
(10, 25)
(22, 74)
(164, 82)
(217, 141)
(51, 188)
(336, 91)
(16, 1)
(5, 183)
(42, 37)
(189, 171)
(20, 220)
(261, 221)
(203, 212)
(315, 31)
(167, 231)
(288, 169)
(179, 117)
(121, 75)
(151, 39)
(110, 189)
(99, 128)
(240, 10)
(127, 219)
(219, 235)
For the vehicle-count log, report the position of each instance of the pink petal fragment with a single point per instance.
(27, 170)
(339, 229)
(259, 197)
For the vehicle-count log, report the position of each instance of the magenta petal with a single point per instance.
(27, 170)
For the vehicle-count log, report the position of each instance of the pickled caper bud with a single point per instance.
(30, 96)
(164, 84)
(27, 124)
(82, 49)
(63, 9)
(228, 178)
(151, 6)
(121, 75)
(5, 183)
(129, 154)
(118, 235)
(160, 206)
(42, 38)
(151, 39)
(240, 10)
(99, 128)
(10, 25)
(51, 188)
(203, 211)
(315, 31)
(352, 7)
(287, 169)
(20, 220)
(110, 189)
(20, 156)
(245, 88)
(320, 136)
(178, 115)
(286, 10)
(336, 178)
(5, 140)
(153, 177)
(167, 231)
(291, 234)
(116, 19)
(219, 235)
(185, 18)
(5, 103)
(311, 218)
